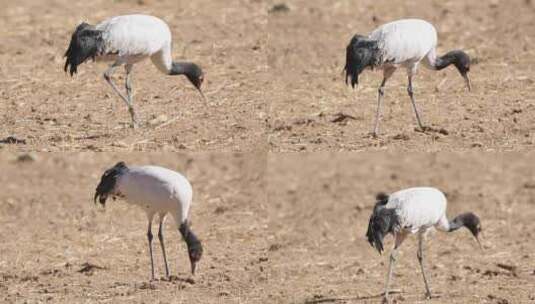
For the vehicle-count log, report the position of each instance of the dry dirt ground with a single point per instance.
(50, 111)
(319, 210)
(50, 228)
(306, 56)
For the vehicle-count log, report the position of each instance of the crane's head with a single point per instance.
(108, 181)
(471, 222)
(361, 52)
(461, 60)
(192, 71)
(195, 249)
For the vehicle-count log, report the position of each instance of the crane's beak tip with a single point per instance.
(193, 267)
(468, 82)
(479, 243)
(202, 95)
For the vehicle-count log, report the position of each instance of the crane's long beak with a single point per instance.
(468, 82)
(193, 266)
(202, 95)
(480, 246)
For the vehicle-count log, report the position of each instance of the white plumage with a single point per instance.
(135, 37)
(419, 209)
(402, 43)
(409, 211)
(126, 40)
(156, 190)
(405, 42)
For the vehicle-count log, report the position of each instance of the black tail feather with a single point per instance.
(86, 42)
(361, 52)
(108, 182)
(382, 221)
(382, 198)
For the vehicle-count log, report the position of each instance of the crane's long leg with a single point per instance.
(149, 236)
(411, 95)
(160, 237)
(107, 76)
(380, 95)
(420, 255)
(400, 237)
(128, 86)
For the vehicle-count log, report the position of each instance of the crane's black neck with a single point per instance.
(183, 68)
(189, 237)
(468, 220)
(192, 241)
(457, 57)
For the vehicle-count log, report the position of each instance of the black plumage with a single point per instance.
(108, 181)
(361, 52)
(195, 249)
(86, 42)
(382, 222)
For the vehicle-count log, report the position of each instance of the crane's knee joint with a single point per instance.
(160, 235)
(419, 256)
(381, 91)
(149, 236)
(409, 90)
(107, 77)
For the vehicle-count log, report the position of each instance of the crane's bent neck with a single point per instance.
(452, 57)
(452, 225)
(181, 68)
(189, 237)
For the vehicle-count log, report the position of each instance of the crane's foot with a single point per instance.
(386, 300)
(428, 295)
(423, 129)
(373, 135)
(134, 125)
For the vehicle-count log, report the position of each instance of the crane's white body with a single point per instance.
(406, 42)
(157, 190)
(132, 38)
(419, 209)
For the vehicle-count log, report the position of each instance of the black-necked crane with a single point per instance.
(126, 40)
(402, 43)
(410, 211)
(156, 190)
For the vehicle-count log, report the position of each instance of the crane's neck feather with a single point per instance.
(189, 237)
(468, 220)
(182, 68)
(456, 57)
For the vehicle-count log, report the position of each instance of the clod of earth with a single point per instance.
(340, 117)
(12, 140)
(279, 8)
(89, 268)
